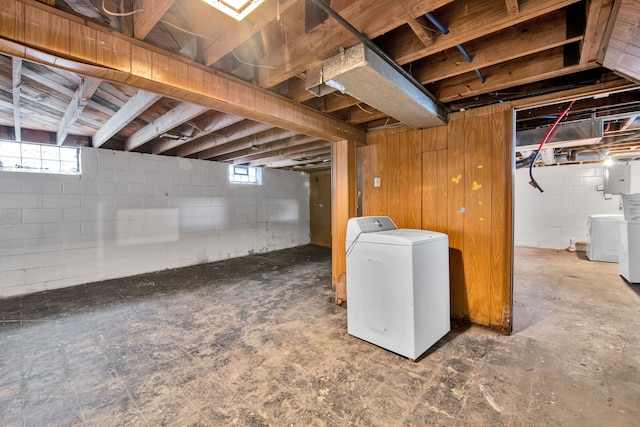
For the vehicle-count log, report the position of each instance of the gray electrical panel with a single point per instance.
(617, 179)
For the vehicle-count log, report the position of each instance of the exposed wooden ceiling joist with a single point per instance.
(17, 77)
(261, 141)
(120, 59)
(136, 105)
(267, 150)
(211, 125)
(150, 12)
(374, 20)
(79, 101)
(210, 146)
(230, 40)
(190, 53)
(182, 113)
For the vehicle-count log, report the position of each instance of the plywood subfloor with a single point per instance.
(259, 341)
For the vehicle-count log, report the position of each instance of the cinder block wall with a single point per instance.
(132, 213)
(552, 218)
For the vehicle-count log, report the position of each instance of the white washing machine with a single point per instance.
(603, 237)
(397, 285)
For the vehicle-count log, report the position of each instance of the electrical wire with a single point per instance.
(108, 12)
(350, 248)
(368, 112)
(184, 30)
(533, 182)
(252, 65)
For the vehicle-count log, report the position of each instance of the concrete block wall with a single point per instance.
(552, 218)
(132, 213)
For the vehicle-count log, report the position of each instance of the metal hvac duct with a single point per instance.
(567, 134)
(361, 73)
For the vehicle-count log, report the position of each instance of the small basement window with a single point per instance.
(245, 175)
(43, 158)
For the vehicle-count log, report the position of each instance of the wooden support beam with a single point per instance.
(259, 143)
(310, 149)
(512, 6)
(421, 30)
(153, 11)
(315, 156)
(541, 66)
(614, 86)
(68, 42)
(511, 43)
(266, 150)
(140, 102)
(628, 123)
(249, 143)
(81, 97)
(598, 15)
(16, 78)
(374, 20)
(182, 113)
(245, 29)
(211, 145)
(338, 101)
(296, 90)
(489, 16)
(219, 121)
(364, 113)
(343, 207)
(622, 53)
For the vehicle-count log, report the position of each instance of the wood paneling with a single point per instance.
(503, 166)
(343, 207)
(457, 179)
(11, 13)
(48, 31)
(477, 216)
(463, 183)
(394, 156)
(372, 167)
(320, 208)
(434, 191)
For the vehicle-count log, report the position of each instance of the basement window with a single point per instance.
(245, 175)
(43, 158)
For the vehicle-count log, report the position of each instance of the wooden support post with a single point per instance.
(343, 207)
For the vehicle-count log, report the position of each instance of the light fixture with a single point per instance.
(609, 162)
(237, 9)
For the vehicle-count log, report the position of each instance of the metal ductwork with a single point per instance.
(367, 73)
(568, 134)
(581, 156)
(361, 73)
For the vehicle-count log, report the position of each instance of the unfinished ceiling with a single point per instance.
(464, 53)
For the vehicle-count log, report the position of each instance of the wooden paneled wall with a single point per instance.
(343, 207)
(320, 208)
(457, 180)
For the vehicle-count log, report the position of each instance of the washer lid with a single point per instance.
(402, 237)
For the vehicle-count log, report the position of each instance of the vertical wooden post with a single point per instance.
(343, 207)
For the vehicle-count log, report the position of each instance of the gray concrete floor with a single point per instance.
(259, 341)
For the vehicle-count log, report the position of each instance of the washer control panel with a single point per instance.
(371, 224)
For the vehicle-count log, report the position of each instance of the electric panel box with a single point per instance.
(617, 179)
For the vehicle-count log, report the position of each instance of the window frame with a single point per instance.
(47, 156)
(252, 175)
